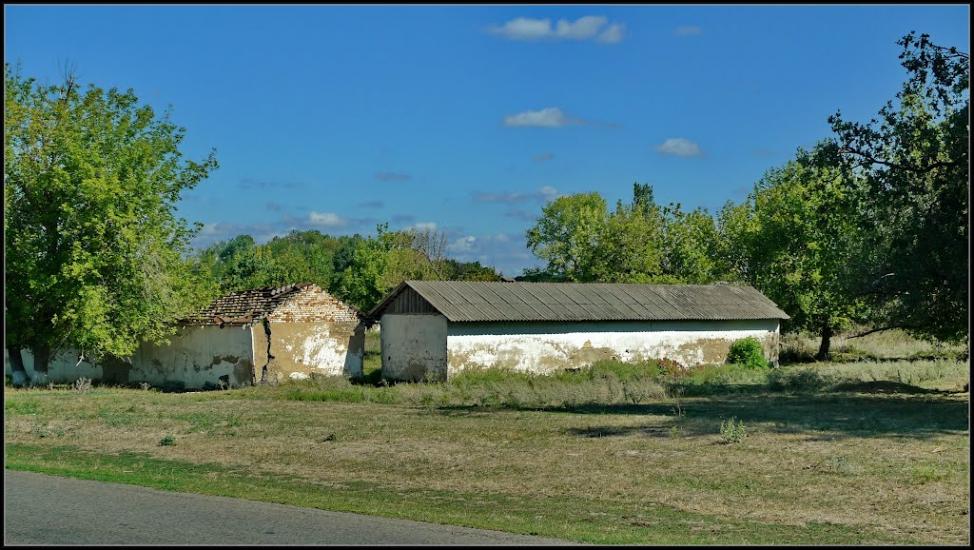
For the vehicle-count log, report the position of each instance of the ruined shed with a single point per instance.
(243, 338)
(433, 329)
(270, 334)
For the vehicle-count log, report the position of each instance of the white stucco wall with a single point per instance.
(197, 357)
(545, 347)
(413, 347)
(61, 368)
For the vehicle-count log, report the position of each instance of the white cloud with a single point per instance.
(462, 245)
(524, 28)
(549, 117)
(679, 147)
(548, 193)
(545, 194)
(583, 28)
(507, 252)
(326, 219)
(612, 35)
(687, 30)
(423, 226)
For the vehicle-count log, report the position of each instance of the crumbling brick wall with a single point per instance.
(311, 332)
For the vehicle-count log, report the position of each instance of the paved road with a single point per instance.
(40, 509)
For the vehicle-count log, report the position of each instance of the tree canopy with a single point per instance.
(94, 250)
(359, 270)
(798, 239)
(914, 156)
(638, 242)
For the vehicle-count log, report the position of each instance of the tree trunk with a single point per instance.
(42, 358)
(823, 348)
(17, 370)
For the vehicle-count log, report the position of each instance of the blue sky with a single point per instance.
(470, 117)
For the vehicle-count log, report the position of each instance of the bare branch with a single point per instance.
(919, 170)
(881, 329)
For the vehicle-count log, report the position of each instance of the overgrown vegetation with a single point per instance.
(747, 352)
(612, 383)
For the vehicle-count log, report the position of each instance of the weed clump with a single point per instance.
(167, 441)
(82, 385)
(732, 431)
(747, 352)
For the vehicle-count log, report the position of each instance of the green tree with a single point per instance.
(915, 159)
(567, 236)
(380, 263)
(630, 246)
(690, 243)
(305, 256)
(639, 242)
(468, 271)
(798, 239)
(94, 251)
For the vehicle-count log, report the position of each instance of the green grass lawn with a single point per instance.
(834, 453)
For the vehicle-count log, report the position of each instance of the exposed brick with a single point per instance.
(303, 302)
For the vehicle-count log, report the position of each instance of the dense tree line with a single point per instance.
(359, 270)
(869, 227)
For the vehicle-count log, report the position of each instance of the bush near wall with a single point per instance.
(747, 352)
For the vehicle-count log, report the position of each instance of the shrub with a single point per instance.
(747, 352)
(732, 431)
(167, 441)
(82, 385)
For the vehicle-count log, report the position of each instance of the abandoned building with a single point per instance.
(433, 329)
(243, 338)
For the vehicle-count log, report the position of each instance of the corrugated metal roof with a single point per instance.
(469, 301)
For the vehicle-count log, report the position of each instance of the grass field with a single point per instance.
(863, 452)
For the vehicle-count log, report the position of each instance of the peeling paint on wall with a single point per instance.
(545, 347)
(413, 344)
(196, 357)
(328, 349)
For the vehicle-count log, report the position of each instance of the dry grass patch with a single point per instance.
(833, 467)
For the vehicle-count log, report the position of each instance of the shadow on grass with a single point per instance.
(613, 431)
(845, 415)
